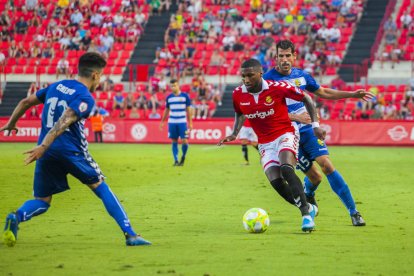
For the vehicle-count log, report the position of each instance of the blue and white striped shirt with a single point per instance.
(298, 78)
(177, 104)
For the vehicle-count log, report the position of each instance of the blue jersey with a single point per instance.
(57, 98)
(300, 79)
(177, 104)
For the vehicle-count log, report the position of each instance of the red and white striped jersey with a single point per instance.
(267, 111)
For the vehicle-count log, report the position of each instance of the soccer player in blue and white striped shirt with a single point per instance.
(178, 107)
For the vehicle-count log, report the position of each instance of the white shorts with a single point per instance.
(247, 133)
(269, 152)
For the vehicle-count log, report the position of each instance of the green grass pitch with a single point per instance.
(193, 216)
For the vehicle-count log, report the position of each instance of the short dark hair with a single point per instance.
(90, 62)
(285, 44)
(173, 81)
(251, 63)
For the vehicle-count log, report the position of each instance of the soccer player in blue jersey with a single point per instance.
(178, 107)
(62, 149)
(310, 147)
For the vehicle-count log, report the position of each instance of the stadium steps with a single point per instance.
(14, 92)
(226, 109)
(363, 39)
(153, 37)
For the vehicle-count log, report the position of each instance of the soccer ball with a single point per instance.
(256, 220)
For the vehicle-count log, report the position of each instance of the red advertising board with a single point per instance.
(384, 133)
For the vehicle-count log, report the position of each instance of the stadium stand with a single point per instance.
(203, 43)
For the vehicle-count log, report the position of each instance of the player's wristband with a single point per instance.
(315, 124)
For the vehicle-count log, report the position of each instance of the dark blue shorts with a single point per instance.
(177, 130)
(52, 169)
(310, 147)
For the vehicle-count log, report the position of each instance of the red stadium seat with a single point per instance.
(117, 71)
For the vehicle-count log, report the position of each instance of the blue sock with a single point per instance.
(309, 187)
(114, 208)
(175, 151)
(184, 148)
(31, 208)
(340, 187)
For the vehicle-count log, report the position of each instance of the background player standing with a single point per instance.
(310, 147)
(247, 136)
(264, 104)
(178, 107)
(62, 148)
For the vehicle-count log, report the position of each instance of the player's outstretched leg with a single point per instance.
(29, 209)
(10, 230)
(115, 209)
(340, 187)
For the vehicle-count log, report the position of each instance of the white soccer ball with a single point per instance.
(256, 220)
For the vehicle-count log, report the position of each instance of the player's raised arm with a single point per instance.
(333, 94)
(310, 107)
(18, 112)
(238, 123)
(68, 118)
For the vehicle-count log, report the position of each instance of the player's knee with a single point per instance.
(287, 171)
(315, 177)
(326, 165)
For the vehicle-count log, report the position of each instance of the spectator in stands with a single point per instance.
(35, 50)
(132, 33)
(5, 19)
(76, 17)
(75, 42)
(41, 11)
(22, 52)
(126, 5)
(129, 102)
(86, 41)
(96, 19)
(337, 83)
(154, 115)
(140, 18)
(390, 25)
(406, 19)
(228, 41)
(13, 49)
(133, 114)
(390, 111)
(118, 19)
(334, 59)
(216, 95)
(48, 51)
(142, 102)
(107, 84)
(105, 5)
(21, 26)
(63, 4)
(245, 27)
(5, 34)
(65, 41)
(217, 59)
(2, 59)
(62, 68)
(396, 55)
(155, 7)
(118, 101)
(107, 41)
(334, 34)
(390, 37)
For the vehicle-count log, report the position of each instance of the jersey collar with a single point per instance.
(265, 86)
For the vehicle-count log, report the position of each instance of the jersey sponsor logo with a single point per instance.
(397, 133)
(83, 107)
(139, 131)
(321, 143)
(269, 101)
(245, 103)
(260, 115)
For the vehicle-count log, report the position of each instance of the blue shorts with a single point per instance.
(52, 169)
(310, 147)
(177, 130)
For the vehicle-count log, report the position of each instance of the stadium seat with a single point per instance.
(117, 71)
